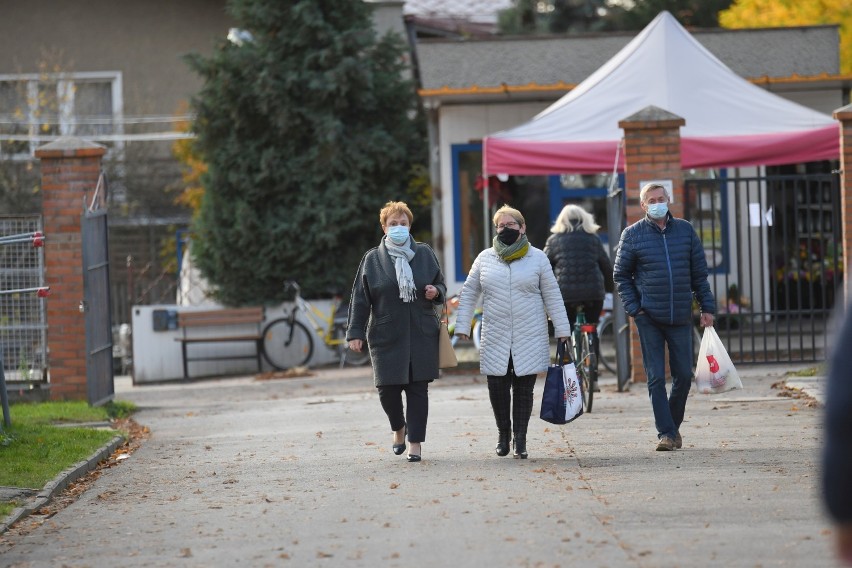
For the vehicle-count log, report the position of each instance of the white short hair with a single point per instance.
(653, 185)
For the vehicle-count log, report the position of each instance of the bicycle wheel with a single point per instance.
(287, 345)
(587, 368)
(606, 344)
(348, 356)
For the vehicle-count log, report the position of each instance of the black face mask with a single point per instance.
(508, 236)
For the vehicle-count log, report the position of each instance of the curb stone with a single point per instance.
(60, 482)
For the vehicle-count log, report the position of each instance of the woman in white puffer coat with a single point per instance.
(518, 292)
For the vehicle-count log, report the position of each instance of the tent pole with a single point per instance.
(485, 228)
(485, 196)
(615, 212)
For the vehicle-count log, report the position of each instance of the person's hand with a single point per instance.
(431, 292)
(462, 336)
(356, 345)
(707, 320)
(844, 544)
(565, 339)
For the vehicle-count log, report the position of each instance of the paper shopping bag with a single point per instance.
(715, 372)
(446, 353)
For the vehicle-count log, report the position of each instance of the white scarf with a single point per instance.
(402, 256)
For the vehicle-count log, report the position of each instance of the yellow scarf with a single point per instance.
(514, 251)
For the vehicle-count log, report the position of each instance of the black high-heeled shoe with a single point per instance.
(502, 447)
(413, 457)
(399, 449)
(520, 444)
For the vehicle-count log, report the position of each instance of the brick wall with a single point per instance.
(70, 169)
(651, 152)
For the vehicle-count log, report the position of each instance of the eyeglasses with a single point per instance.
(510, 224)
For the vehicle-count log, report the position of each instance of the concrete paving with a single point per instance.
(300, 472)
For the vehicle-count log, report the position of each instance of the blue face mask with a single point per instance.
(398, 234)
(658, 210)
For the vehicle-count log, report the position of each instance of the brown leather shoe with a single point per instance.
(665, 444)
(678, 441)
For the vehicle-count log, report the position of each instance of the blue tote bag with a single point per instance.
(562, 400)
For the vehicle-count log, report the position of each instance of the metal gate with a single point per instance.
(96, 302)
(773, 247)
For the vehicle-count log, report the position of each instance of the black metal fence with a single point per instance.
(773, 247)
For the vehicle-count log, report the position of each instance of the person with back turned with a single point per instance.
(581, 265)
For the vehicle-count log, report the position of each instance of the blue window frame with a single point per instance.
(467, 206)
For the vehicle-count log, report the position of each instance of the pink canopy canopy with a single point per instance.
(729, 121)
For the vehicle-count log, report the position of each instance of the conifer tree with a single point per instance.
(307, 124)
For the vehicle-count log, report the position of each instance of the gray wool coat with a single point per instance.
(400, 335)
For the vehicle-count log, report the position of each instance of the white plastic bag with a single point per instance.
(715, 372)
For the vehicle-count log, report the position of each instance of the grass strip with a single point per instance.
(34, 449)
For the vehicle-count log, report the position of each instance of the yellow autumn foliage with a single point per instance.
(193, 169)
(778, 13)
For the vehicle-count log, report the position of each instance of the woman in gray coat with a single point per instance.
(396, 288)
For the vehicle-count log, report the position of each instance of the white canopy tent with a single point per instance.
(729, 121)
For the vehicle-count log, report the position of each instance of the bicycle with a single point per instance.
(585, 351)
(288, 343)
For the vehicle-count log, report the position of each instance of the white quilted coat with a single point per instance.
(516, 299)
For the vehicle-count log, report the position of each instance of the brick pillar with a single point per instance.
(651, 152)
(70, 168)
(844, 115)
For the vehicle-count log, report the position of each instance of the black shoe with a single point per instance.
(413, 458)
(399, 449)
(520, 444)
(502, 447)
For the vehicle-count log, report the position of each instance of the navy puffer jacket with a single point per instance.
(661, 270)
(580, 264)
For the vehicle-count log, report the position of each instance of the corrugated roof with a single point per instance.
(774, 53)
(474, 10)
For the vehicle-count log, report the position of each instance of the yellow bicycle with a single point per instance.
(288, 343)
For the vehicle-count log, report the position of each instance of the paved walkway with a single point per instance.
(299, 472)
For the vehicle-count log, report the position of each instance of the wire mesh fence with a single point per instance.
(23, 325)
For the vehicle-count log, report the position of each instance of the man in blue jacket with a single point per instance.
(659, 268)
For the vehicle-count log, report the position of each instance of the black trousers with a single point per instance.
(501, 390)
(415, 416)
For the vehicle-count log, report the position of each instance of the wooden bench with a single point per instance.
(232, 317)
